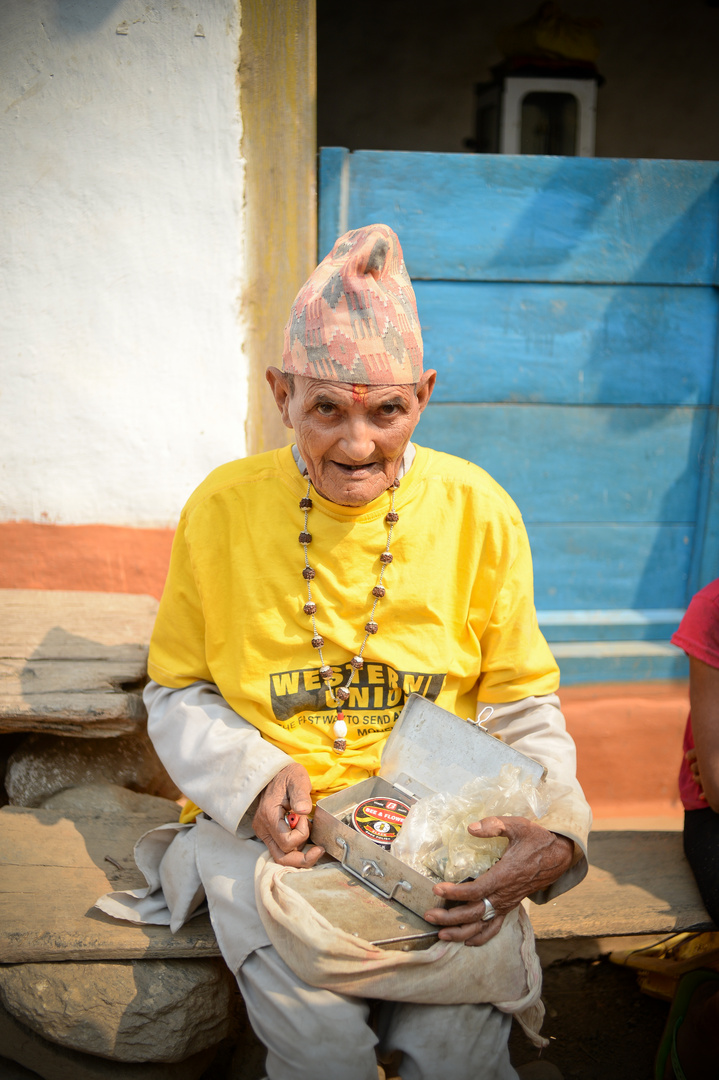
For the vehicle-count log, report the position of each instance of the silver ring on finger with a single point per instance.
(489, 912)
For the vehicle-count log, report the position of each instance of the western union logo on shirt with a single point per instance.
(375, 686)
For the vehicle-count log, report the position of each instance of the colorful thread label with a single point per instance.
(380, 818)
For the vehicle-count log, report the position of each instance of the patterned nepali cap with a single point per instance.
(355, 318)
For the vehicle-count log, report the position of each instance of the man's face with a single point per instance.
(352, 437)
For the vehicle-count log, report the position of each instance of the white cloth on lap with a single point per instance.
(505, 972)
(174, 892)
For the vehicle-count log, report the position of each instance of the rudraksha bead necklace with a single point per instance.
(326, 672)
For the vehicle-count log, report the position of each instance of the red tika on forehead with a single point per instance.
(355, 318)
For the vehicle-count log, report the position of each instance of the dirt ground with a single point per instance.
(600, 1026)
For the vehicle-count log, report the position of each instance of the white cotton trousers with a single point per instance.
(310, 1033)
(314, 1034)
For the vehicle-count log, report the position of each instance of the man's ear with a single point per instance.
(281, 392)
(425, 386)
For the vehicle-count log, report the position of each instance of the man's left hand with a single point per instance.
(533, 859)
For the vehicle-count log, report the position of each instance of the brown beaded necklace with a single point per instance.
(371, 627)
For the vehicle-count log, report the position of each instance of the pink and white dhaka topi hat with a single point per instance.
(355, 318)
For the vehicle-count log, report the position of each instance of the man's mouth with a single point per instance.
(367, 466)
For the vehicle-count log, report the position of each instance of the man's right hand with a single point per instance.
(289, 790)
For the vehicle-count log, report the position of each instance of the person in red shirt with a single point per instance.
(690, 1047)
(698, 636)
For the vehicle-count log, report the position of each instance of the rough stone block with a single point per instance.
(52, 1062)
(132, 1011)
(90, 800)
(8, 743)
(45, 764)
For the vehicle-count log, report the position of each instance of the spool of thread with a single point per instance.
(379, 819)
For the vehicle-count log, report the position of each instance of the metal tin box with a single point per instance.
(349, 905)
(429, 750)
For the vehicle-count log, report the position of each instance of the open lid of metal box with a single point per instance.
(431, 750)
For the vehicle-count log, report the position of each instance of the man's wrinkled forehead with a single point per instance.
(367, 394)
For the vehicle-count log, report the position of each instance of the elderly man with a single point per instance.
(311, 589)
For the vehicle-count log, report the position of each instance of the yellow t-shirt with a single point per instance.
(457, 620)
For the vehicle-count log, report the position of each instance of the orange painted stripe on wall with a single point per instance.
(629, 745)
(96, 558)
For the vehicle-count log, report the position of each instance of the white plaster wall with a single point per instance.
(121, 258)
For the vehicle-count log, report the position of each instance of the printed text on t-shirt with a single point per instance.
(375, 686)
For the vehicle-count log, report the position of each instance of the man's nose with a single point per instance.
(357, 441)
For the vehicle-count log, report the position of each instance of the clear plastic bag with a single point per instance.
(434, 838)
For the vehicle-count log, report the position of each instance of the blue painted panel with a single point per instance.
(579, 463)
(705, 563)
(621, 618)
(624, 566)
(579, 632)
(707, 560)
(553, 298)
(569, 343)
(625, 669)
(705, 566)
(332, 195)
(505, 218)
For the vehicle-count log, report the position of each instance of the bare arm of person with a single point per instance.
(691, 760)
(704, 697)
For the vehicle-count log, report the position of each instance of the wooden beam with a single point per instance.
(638, 883)
(493, 217)
(73, 663)
(279, 144)
(52, 870)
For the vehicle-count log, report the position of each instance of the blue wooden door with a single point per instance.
(571, 310)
